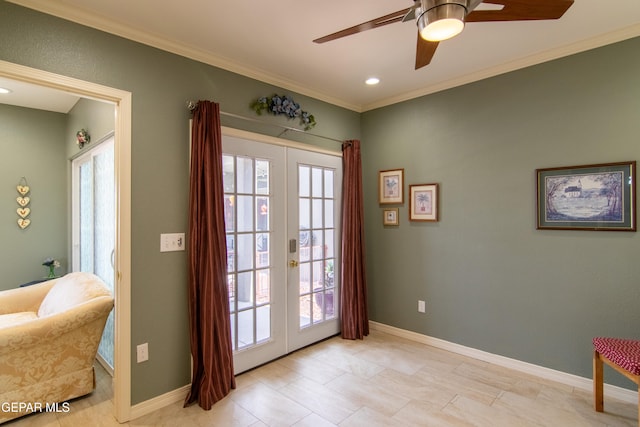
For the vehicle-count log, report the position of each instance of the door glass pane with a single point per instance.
(263, 322)
(316, 182)
(245, 213)
(304, 181)
(262, 213)
(86, 216)
(244, 177)
(247, 205)
(328, 184)
(305, 278)
(228, 167)
(229, 212)
(94, 226)
(245, 251)
(305, 311)
(262, 177)
(317, 214)
(317, 240)
(246, 329)
(104, 238)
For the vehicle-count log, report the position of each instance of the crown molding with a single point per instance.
(92, 20)
(549, 55)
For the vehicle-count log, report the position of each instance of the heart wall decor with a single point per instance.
(23, 189)
(23, 212)
(23, 200)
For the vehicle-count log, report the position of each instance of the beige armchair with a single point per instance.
(49, 336)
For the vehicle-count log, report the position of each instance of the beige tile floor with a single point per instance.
(381, 381)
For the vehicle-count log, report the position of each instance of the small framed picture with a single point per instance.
(391, 187)
(390, 216)
(423, 202)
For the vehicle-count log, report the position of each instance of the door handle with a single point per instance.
(293, 263)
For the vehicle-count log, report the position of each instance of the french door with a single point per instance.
(282, 209)
(93, 231)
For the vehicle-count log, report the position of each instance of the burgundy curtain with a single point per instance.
(208, 294)
(355, 318)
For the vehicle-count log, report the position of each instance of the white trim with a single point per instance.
(95, 21)
(571, 380)
(159, 402)
(122, 102)
(528, 61)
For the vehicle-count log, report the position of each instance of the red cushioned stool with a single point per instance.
(623, 356)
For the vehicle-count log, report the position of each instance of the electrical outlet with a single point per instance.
(142, 352)
(422, 306)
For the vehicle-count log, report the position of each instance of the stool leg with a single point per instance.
(598, 399)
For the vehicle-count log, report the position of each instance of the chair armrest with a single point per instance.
(51, 328)
(28, 298)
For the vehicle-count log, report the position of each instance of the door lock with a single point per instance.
(293, 263)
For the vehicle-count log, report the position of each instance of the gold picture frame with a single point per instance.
(391, 187)
(423, 202)
(390, 216)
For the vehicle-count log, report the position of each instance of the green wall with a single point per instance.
(490, 279)
(160, 84)
(37, 144)
(32, 146)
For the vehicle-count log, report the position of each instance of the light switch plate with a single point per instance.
(172, 242)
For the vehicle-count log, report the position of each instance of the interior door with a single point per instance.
(275, 308)
(93, 235)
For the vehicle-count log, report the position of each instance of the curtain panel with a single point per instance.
(354, 314)
(210, 331)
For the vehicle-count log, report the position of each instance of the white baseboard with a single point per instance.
(578, 382)
(159, 402)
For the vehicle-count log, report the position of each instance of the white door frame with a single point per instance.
(122, 104)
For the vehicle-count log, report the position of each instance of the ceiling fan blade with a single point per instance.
(521, 10)
(369, 25)
(424, 52)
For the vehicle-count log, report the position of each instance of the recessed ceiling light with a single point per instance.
(4, 90)
(372, 81)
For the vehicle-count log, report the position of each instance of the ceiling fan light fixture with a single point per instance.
(440, 20)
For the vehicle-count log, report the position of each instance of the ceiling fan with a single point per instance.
(439, 20)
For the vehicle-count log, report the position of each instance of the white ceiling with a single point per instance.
(31, 96)
(272, 41)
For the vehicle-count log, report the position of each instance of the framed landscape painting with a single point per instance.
(391, 187)
(592, 197)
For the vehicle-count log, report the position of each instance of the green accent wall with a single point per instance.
(161, 83)
(32, 146)
(491, 281)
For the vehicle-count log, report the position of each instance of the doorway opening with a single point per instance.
(122, 173)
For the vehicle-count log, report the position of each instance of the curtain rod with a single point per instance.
(192, 105)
